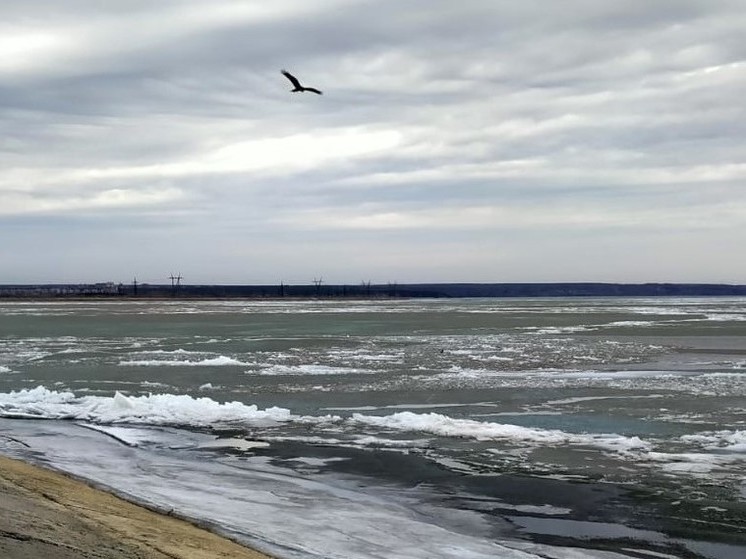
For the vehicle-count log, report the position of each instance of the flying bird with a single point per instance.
(296, 84)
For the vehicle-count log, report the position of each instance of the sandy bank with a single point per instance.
(47, 514)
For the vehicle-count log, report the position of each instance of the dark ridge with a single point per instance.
(370, 291)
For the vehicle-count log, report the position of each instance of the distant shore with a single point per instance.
(48, 514)
(112, 290)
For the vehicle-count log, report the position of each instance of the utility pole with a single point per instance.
(282, 289)
(134, 287)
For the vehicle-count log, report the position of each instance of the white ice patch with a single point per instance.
(220, 361)
(4, 369)
(729, 441)
(560, 329)
(127, 435)
(690, 463)
(235, 444)
(648, 553)
(378, 442)
(726, 317)
(154, 409)
(610, 375)
(317, 462)
(179, 351)
(365, 355)
(579, 399)
(300, 370)
(151, 384)
(714, 509)
(549, 552)
(545, 510)
(688, 467)
(636, 323)
(591, 375)
(34, 399)
(414, 407)
(445, 426)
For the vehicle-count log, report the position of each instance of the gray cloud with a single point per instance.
(473, 141)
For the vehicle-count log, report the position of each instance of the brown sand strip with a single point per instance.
(45, 514)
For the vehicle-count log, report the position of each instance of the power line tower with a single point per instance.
(317, 283)
(175, 282)
(392, 289)
(134, 287)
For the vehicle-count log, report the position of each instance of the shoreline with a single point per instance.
(48, 513)
(366, 290)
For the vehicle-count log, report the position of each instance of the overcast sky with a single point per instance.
(469, 140)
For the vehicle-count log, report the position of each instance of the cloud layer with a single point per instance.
(469, 141)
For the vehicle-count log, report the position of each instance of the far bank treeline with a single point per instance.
(372, 291)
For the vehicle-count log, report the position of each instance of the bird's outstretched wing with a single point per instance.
(312, 89)
(292, 79)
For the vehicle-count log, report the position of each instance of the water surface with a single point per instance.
(467, 428)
